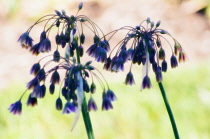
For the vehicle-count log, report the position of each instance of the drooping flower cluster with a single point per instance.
(142, 45)
(78, 78)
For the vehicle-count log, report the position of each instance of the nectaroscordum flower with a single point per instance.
(16, 108)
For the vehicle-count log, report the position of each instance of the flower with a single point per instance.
(146, 83)
(182, 56)
(59, 104)
(34, 82)
(45, 46)
(81, 50)
(92, 50)
(107, 64)
(56, 56)
(25, 40)
(106, 104)
(41, 75)
(16, 108)
(35, 49)
(161, 54)
(110, 94)
(158, 74)
(69, 107)
(129, 79)
(55, 78)
(82, 38)
(100, 54)
(52, 88)
(92, 105)
(35, 68)
(118, 64)
(92, 88)
(164, 66)
(32, 101)
(174, 62)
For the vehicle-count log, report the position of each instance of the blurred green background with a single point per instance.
(136, 114)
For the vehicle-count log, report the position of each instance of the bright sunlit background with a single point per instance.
(136, 114)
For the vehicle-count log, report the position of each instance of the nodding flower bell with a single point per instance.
(16, 108)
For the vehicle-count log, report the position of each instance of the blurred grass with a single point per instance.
(136, 115)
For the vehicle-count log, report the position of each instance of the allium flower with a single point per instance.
(52, 88)
(82, 38)
(35, 68)
(34, 82)
(92, 105)
(129, 79)
(146, 83)
(45, 45)
(43, 36)
(35, 49)
(106, 104)
(182, 56)
(25, 40)
(32, 101)
(69, 108)
(107, 65)
(161, 54)
(92, 50)
(158, 74)
(100, 54)
(92, 88)
(81, 50)
(118, 64)
(16, 108)
(41, 75)
(59, 104)
(55, 78)
(56, 56)
(174, 62)
(164, 66)
(110, 94)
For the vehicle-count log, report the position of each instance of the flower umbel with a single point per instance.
(78, 79)
(142, 45)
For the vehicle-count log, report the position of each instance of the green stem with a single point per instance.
(170, 114)
(85, 113)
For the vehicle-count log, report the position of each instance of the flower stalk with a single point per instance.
(170, 113)
(85, 113)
